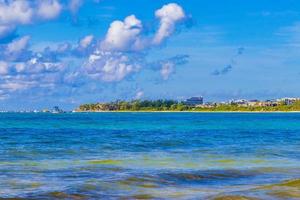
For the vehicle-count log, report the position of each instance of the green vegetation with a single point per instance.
(158, 105)
(171, 105)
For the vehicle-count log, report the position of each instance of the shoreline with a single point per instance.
(187, 112)
(204, 112)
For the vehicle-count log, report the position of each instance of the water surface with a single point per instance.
(150, 155)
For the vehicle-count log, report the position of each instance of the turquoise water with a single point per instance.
(149, 155)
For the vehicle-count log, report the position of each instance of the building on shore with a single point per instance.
(194, 101)
(288, 100)
(253, 103)
(239, 102)
(271, 103)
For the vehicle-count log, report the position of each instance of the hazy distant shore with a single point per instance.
(176, 106)
(187, 112)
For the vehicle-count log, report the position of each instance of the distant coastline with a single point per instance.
(283, 105)
(139, 111)
(262, 112)
(195, 105)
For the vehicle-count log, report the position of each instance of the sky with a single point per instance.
(69, 52)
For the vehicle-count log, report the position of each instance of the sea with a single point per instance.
(218, 156)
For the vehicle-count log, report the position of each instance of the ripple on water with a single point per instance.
(64, 195)
(231, 197)
(209, 175)
(289, 189)
(105, 162)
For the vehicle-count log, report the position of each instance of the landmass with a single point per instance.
(191, 105)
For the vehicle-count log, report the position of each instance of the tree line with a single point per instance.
(136, 105)
(172, 105)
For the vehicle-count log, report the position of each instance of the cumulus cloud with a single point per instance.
(23, 12)
(12, 13)
(119, 55)
(86, 41)
(48, 9)
(35, 65)
(126, 39)
(128, 35)
(21, 73)
(18, 45)
(110, 66)
(32, 74)
(17, 49)
(123, 35)
(15, 12)
(168, 15)
(84, 47)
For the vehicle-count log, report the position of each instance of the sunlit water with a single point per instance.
(150, 155)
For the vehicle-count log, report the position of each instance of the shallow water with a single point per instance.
(150, 156)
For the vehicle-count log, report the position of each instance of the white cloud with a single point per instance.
(166, 70)
(4, 68)
(123, 35)
(110, 66)
(49, 9)
(121, 54)
(127, 35)
(35, 66)
(86, 41)
(122, 51)
(32, 75)
(169, 15)
(23, 12)
(18, 45)
(10, 86)
(63, 48)
(15, 12)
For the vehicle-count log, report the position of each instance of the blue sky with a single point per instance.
(68, 52)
